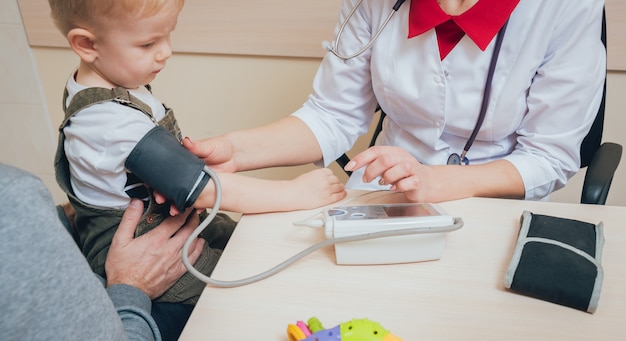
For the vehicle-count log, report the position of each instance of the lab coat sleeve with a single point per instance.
(563, 100)
(342, 103)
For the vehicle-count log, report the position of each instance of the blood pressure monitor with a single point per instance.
(347, 220)
(429, 244)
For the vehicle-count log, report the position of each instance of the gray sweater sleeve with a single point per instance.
(47, 290)
(133, 307)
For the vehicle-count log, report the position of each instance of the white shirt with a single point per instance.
(98, 141)
(546, 90)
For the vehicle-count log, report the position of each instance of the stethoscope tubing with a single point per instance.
(487, 91)
(335, 49)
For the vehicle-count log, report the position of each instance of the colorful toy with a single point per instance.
(353, 330)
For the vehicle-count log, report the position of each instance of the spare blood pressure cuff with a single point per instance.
(165, 165)
(558, 260)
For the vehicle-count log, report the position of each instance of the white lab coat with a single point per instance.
(546, 90)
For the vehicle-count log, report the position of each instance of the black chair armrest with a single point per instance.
(600, 174)
(343, 161)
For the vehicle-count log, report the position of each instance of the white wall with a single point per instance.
(27, 139)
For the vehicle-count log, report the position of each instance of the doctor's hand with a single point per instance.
(422, 183)
(396, 167)
(217, 152)
(151, 262)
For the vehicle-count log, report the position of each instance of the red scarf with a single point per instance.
(481, 22)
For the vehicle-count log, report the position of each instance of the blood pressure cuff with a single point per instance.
(558, 260)
(163, 163)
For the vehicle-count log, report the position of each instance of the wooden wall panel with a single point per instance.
(291, 28)
(616, 34)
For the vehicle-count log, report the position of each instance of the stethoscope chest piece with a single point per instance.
(455, 159)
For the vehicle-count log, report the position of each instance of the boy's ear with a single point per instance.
(82, 43)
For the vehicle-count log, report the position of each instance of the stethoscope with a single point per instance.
(454, 158)
(335, 49)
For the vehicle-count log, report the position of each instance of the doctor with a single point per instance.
(538, 66)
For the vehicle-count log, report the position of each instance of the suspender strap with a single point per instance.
(91, 96)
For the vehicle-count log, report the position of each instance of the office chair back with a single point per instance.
(601, 159)
(593, 140)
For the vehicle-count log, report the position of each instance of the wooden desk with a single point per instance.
(460, 297)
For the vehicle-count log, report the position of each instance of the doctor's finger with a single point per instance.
(393, 174)
(198, 149)
(365, 157)
(392, 163)
(413, 188)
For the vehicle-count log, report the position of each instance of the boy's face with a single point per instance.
(133, 51)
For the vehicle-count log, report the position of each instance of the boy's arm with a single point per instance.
(175, 173)
(252, 195)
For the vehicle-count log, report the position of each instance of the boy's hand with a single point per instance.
(317, 188)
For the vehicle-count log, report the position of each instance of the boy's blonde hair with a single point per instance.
(97, 14)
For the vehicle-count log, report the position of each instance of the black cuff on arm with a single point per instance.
(163, 163)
